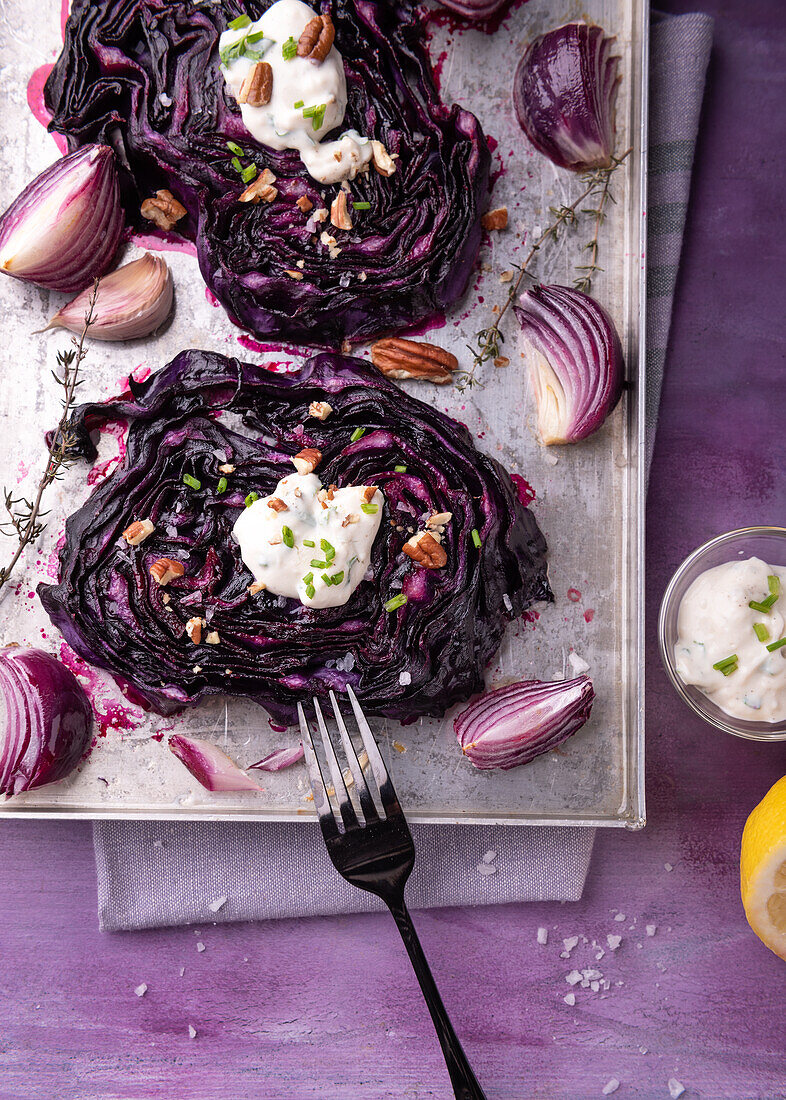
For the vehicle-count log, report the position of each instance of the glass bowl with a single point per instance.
(767, 543)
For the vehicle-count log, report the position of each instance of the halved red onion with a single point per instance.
(208, 764)
(575, 361)
(132, 302)
(281, 758)
(64, 229)
(475, 9)
(45, 720)
(514, 724)
(564, 94)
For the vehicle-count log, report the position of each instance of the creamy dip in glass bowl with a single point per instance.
(704, 598)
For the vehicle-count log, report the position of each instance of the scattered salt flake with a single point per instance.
(620, 917)
(591, 975)
(489, 857)
(182, 971)
(405, 678)
(570, 942)
(573, 977)
(676, 1088)
(594, 986)
(578, 664)
(564, 954)
(543, 935)
(192, 1031)
(141, 990)
(219, 903)
(600, 955)
(200, 947)
(610, 1087)
(638, 945)
(158, 844)
(652, 929)
(507, 601)
(668, 866)
(551, 459)
(613, 942)
(585, 983)
(570, 999)
(164, 99)
(486, 869)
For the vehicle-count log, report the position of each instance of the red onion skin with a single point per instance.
(92, 247)
(475, 9)
(579, 340)
(512, 725)
(564, 95)
(210, 765)
(280, 759)
(48, 720)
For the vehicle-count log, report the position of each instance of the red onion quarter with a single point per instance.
(564, 95)
(209, 765)
(45, 721)
(514, 724)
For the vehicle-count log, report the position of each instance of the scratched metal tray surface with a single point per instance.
(589, 498)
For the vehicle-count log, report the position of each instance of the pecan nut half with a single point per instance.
(307, 460)
(495, 219)
(277, 504)
(261, 188)
(399, 358)
(164, 570)
(339, 212)
(424, 549)
(163, 209)
(317, 38)
(257, 88)
(138, 531)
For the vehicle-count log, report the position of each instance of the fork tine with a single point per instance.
(387, 791)
(346, 809)
(322, 805)
(361, 786)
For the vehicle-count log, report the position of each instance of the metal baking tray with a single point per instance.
(589, 498)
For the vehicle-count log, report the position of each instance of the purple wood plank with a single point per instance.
(328, 1009)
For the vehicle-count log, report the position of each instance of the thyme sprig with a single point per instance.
(597, 188)
(24, 522)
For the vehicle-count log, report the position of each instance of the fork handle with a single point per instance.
(465, 1085)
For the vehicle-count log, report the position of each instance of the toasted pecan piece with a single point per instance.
(164, 570)
(317, 38)
(381, 159)
(261, 188)
(339, 212)
(277, 504)
(425, 550)
(399, 358)
(163, 209)
(307, 460)
(138, 531)
(304, 204)
(495, 219)
(194, 629)
(257, 87)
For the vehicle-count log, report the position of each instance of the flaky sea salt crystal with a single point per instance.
(613, 942)
(570, 999)
(570, 942)
(620, 917)
(591, 975)
(405, 678)
(577, 664)
(192, 1031)
(543, 935)
(652, 929)
(141, 990)
(486, 869)
(564, 954)
(668, 866)
(600, 955)
(676, 1088)
(200, 947)
(507, 601)
(594, 986)
(610, 1086)
(489, 857)
(219, 903)
(573, 978)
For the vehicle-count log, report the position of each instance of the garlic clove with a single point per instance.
(64, 229)
(132, 302)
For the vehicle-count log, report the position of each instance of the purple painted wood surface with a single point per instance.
(328, 1009)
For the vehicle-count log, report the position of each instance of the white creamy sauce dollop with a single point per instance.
(345, 525)
(715, 622)
(281, 125)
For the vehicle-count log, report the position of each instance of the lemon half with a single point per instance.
(763, 869)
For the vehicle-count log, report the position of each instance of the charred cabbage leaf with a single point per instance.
(143, 77)
(203, 411)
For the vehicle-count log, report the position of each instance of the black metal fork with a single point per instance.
(375, 852)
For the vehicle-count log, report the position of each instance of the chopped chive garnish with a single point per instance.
(310, 591)
(360, 205)
(727, 662)
(192, 482)
(256, 36)
(251, 498)
(319, 116)
(728, 669)
(781, 642)
(326, 579)
(289, 49)
(308, 578)
(476, 537)
(233, 147)
(250, 173)
(235, 162)
(369, 509)
(299, 104)
(396, 602)
(763, 606)
(357, 434)
(774, 585)
(317, 564)
(761, 632)
(337, 578)
(288, 537)
(308, 542)
(241, 21)
(400, 469)
(308, 112)
(325, 545)
(222, 485)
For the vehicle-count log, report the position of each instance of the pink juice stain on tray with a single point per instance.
(109, 714)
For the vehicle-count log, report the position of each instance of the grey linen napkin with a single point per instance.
(152, 873)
